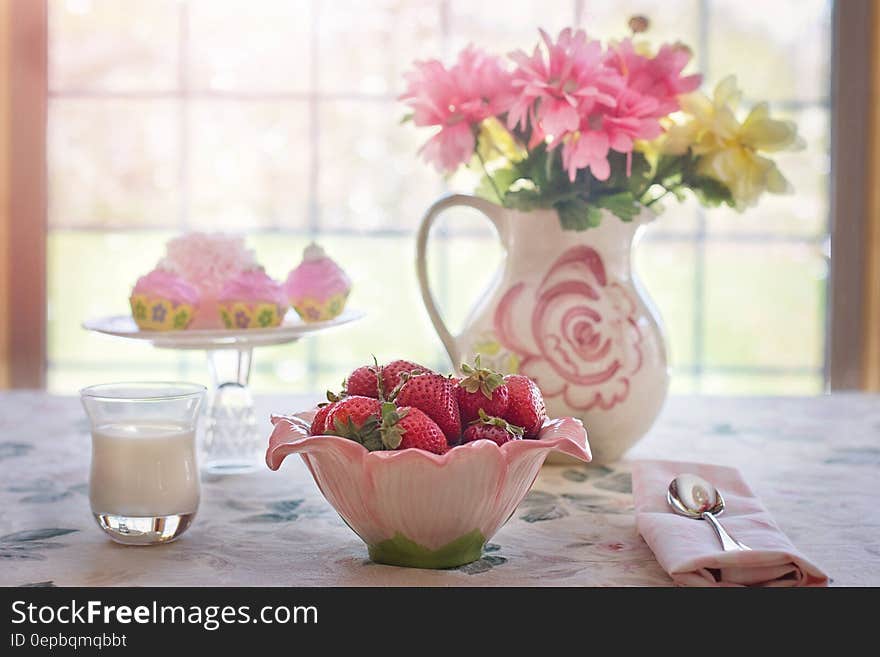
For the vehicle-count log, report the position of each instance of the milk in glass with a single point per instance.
(144, 469)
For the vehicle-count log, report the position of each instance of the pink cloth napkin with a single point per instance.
(690, 551)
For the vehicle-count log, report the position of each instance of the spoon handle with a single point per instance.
(728, 544)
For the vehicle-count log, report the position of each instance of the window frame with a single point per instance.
(26, 308)
(852, 118)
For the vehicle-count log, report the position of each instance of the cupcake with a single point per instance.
(318, 288)
(163, 301)
(252, 300)
(208, 261)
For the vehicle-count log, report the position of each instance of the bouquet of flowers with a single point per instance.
(579, 126)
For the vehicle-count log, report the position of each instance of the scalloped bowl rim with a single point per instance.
(439, 460)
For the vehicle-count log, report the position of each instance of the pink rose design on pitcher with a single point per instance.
(583, 340)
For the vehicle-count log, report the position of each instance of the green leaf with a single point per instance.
(502, 178)
(639, 173)
(480, 379)
(622, 204)
(711, 192)
(505, 177)
(672, 166)
(512, 429)
(523, 199)
(390, 434)
(373, 442)
(367, 434)
(576, 214)
(485, 190)
(535, 166)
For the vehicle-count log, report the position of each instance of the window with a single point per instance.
(281, 121)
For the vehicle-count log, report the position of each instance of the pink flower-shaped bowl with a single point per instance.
(413, 508)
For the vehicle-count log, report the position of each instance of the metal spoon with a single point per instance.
(694, 497)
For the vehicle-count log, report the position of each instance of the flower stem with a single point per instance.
(659, 175)
(489, 176)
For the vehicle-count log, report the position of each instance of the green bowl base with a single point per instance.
(401, 551)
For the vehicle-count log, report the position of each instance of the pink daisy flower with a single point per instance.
(586, 149)
(632, 117)
(456, 99)
(658, 77)
(555, 91)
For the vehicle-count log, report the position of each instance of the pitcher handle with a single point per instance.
(493, 212)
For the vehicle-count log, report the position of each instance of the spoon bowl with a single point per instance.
(694, 497)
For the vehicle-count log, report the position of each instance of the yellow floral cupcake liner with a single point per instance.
(157, 314)
(240, 315)
(313, 310)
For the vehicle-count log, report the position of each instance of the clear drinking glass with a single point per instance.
(144, 481)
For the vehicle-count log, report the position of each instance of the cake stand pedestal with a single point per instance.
(232, 442)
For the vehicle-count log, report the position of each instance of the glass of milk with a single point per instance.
(144, 481)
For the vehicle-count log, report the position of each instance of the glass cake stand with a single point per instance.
(232, 442)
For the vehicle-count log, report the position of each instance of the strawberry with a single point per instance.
(319, 422)
(525, 406)
(491, 428)
(364, 381)
(392, 371)
(481, 389)
(407, 427)
(356, 418)
(434, 395)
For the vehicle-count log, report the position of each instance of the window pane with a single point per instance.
(113, 45)
(369, 174)
(779, 53)
(682, 383)
(380, 37)
(513, 26)
(261, 45)
(765, 305)
(113, 163)
(671, 20)
(762, 384)
(249, 164)
(666, 270)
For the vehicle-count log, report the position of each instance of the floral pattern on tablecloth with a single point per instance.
(576, 527)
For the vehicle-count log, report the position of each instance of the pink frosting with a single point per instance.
(317, 276)
(166, 285)
(253, 286)
(207, 260)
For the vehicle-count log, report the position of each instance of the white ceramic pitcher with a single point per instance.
(567, 310)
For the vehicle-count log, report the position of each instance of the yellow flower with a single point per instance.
(495, 141)
(653, 149)
(730, 151)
